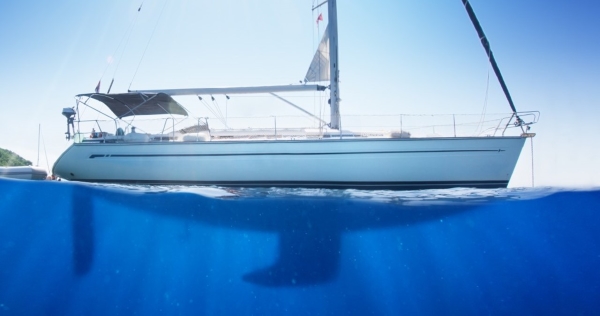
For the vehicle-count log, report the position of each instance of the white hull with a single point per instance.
(23, 173)
(413, 163)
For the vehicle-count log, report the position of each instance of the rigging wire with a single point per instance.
(532, 177)
(148, 44)
(313, 49)
(218, 109)
(130, 31)
(219, 117)
(126, 37)
(487, 89)
(45, 153)
(322, 109)
(318, 98)
(209, 108)
(485, 103)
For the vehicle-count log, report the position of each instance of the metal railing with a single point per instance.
(519, 120)
(418, 125)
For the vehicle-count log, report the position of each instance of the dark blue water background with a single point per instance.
(76, 249)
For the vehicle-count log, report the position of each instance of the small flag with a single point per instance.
(98, 87)
(320, 18)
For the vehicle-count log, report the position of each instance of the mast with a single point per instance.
(334, 98)
(488, 50)
(39, 134)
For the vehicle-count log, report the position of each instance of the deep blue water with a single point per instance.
(77, 249)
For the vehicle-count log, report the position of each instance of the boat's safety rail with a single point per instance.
(116, 131)
(298, 127)
(520, 120)
(395, 126)
(444, 125)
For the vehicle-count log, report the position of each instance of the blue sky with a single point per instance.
(408, 57)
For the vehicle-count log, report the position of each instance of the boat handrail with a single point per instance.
(517, 119)
(418, 125)
(165, 125)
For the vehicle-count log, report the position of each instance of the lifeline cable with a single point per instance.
(148, 44)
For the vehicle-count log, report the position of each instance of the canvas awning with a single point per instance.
(130, 104)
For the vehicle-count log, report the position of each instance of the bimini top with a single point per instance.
(130, 104)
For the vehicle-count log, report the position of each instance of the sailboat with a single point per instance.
(327, 158)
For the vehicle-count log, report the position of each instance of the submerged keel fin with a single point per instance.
(82, 227)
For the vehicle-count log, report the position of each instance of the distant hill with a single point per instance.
(8, 158)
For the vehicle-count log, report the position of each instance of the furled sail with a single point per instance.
(319, 67)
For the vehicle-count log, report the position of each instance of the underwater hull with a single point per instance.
(484, 162)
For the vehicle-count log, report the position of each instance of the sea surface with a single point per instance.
(82, 249)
